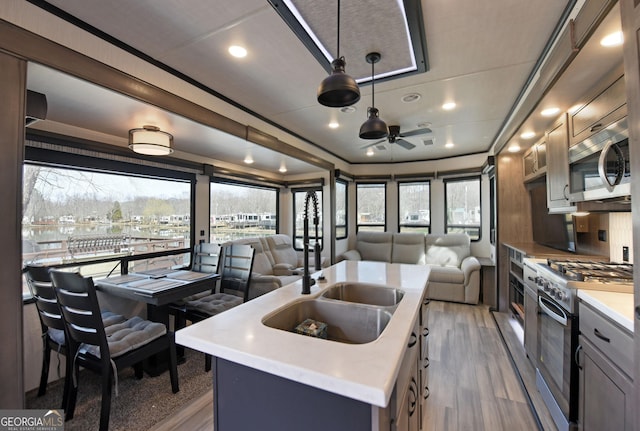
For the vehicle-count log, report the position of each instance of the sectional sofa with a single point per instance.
(275, 264)
(455, 274)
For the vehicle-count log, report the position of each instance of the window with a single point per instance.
(299, 197)
(414, 207)
(341, 209)
(242, 210)
(76, 215)
(463, 206)
(371, 202)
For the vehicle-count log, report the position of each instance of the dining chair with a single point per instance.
(235, 279)
(106, 350)
(206, 258)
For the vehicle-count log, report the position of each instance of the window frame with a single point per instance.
(413, 225)
(447, 225)
(371, 225)
(345, 226)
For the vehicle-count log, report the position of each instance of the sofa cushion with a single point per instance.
(375, 246)
(447, 250)
(408, 248)
(446, 274)
(262, 260)
(282, 251)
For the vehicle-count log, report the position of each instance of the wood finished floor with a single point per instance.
(472, 383)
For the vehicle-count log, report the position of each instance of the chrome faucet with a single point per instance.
(307, 281)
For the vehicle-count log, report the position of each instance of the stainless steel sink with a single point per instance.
(346, 322)
(364, 293)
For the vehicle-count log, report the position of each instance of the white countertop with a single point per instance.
(365, 372)
(617, 306)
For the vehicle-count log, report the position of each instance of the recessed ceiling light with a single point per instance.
(549, 111)
(423, 125)
(334, 125)
(370, 152)
(237, 51)
(449, 145)
(411, 97)
(248, 160)
(283, 168)
(449, 106)
(527, 135)
(613, 39)
(348, 109)
(514, 148)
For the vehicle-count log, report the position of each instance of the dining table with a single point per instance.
(158, 288)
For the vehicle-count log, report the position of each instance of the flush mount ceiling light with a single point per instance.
(411, 97)
(449, 106)
(150, 141)
(549, 112)
(374, 127)
(237, 51)
(334, 125)
(338, 89)
(613, 39)
(527, 135)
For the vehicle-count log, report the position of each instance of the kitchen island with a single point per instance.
(270, 378)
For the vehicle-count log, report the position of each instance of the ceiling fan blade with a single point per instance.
(364, 147)
(405, 144)
(416, 132)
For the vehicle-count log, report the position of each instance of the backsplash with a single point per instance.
(620, 235)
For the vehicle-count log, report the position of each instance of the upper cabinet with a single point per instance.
(608, 106)
(558, 167)
(534, 161)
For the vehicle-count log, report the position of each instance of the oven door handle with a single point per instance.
(561, 319)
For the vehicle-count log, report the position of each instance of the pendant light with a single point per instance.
(374, 127)
(338, 89)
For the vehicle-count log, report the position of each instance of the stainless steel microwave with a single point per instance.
(599, 165)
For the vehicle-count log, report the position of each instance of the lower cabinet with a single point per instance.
(606, 399)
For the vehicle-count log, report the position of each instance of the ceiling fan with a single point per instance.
(395, 138)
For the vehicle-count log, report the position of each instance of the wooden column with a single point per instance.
(630, 13)
(12, 113)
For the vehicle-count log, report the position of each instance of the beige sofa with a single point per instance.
(455, 274)
(275, 264)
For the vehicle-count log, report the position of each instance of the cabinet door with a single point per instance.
(558, 165)
(606, 394)
(531, 324)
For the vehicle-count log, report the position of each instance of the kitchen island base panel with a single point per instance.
(246, 399)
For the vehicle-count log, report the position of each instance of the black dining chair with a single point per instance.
(206, 258)
(51, 323)
(235, 280)
(106, 350)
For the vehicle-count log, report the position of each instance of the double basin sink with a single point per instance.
(355, 313)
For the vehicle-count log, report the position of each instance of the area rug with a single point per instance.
(140, 404)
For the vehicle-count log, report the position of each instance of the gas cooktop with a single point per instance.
(586, 271)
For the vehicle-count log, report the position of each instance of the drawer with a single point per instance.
(614, 342)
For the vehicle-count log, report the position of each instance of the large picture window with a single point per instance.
(414, 207)
(371, 206)
(341, 209)
(463, 206)
(242, 210)
(73, 215)
(299, 197)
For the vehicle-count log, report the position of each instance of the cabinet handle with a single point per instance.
(426, 392)
(596, 127)
(564, 192)
(425, 332)
(601, 336)
(576, 356)
(413, 340)
(426, 362)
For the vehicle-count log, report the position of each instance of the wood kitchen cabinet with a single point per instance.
(534, 161)
(606, 107)
(558, 166)
(606, 394)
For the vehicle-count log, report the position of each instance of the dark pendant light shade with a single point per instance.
(338, 89)
(374, 127)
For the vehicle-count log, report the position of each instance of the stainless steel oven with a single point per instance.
(599, 166)
(557, 373)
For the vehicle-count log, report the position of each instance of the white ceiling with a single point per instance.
(480, 55)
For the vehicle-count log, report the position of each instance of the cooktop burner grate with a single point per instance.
(593, 271)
